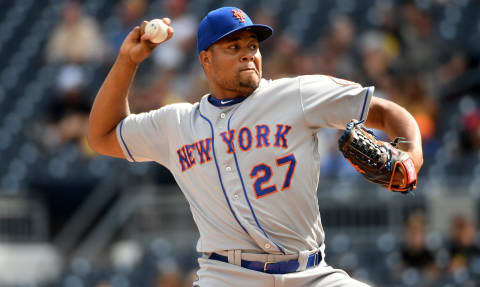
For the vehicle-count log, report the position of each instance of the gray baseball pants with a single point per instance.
(213, 273)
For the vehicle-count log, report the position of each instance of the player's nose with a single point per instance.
(244, 58)
(247, 57)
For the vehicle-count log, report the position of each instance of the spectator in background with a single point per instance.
(67, 117)
(174, 63)
(282, 61)
(414, 252)
(421, 46)
(168, 274)
(463, 246)
(337, 55)
(452, 66)
(416, 99)
(157, 94)
(190, 277)
(168, 279)
(376, 57)
(76, 39)
(174, 52)
(130, 14)
(470, 125)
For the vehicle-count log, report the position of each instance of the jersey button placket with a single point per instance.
(229, 170)
(221, 122)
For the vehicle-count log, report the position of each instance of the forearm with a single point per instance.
(111, 104)
(396, 121)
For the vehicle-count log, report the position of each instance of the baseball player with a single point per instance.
(245, 156)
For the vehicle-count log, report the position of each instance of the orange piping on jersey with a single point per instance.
(344, 83)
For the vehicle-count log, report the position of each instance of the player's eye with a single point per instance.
(233, 47)
(253, 46)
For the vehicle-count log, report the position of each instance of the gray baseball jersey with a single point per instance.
(249, 170)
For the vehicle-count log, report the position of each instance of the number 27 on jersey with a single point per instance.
(262, 173)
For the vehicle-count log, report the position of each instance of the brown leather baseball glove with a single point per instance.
(378, 161)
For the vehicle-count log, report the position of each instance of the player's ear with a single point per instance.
(205, 58)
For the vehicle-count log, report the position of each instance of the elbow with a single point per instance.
(97, 144)
(92, 142)
(104, 144)
(95, 137)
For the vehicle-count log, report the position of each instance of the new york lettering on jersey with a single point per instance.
(199, 152)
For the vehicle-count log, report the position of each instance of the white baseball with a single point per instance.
(157, 29)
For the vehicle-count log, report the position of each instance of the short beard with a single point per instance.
(243, 86)
(248, 83)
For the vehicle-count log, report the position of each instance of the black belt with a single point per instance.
(273, 268)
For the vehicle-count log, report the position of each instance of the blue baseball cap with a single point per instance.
(223, 22)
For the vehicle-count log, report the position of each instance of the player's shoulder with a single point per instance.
(288, 85)
(179, 107)
(326, 80)
(274, 83)
(318, 78)
(278, 86)
(170, 111)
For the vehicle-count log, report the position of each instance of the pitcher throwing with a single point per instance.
(246, 155)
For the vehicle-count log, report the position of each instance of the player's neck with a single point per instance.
(230, 97)
(224, 94)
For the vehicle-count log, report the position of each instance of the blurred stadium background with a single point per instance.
(69, 217)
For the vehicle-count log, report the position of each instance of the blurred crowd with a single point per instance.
(406, 49)
(432, 263)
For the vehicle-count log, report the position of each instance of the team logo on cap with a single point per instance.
(239, 15)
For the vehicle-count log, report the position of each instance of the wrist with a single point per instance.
(126, 61)
(417, 160)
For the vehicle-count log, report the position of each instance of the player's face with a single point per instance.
(236, 63)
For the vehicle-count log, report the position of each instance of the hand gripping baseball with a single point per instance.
(378, 161)
(137, 45)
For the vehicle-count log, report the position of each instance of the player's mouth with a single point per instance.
(249, 70)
